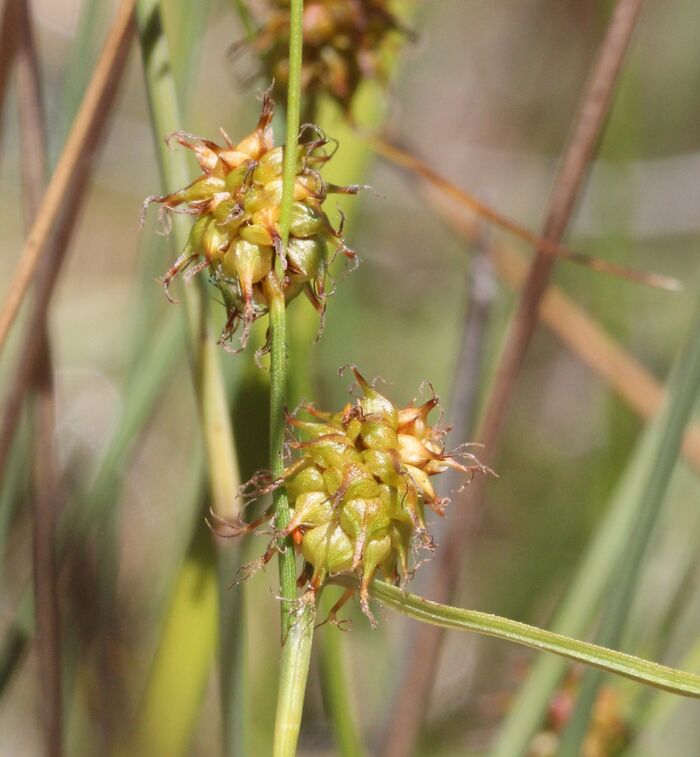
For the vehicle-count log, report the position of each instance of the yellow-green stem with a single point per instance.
(278, 395)
(278, 329)
(193, 609)
(278, 346)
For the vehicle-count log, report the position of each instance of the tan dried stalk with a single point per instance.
(71, 169)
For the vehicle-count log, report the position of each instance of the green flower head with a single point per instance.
(236, 237)
(358, 487)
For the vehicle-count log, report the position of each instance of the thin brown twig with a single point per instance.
(80, 146)
(416, 683)
(581, 333)
(410, 161)
(570, 180)
(34, 165)
(584, 336)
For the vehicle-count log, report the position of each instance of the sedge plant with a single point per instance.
(350, 486)
(352, 500)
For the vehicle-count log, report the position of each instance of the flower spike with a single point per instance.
(235, 204)
(358, 488)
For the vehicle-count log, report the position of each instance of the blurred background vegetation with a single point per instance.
(486, 96)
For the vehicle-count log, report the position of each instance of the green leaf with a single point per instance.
(643, 671)
(683, 393)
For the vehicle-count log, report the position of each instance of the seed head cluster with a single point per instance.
(359, 486)
(343, 45)
(236, 234)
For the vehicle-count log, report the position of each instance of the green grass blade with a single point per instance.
(210, 385)
(164, 351)
(14, 483)
(643, 671)
(85, 49)
(683, 394)
(582, 600)
(246, 17)
(336, 693)
(654, 459)
(189, 24)
(183, 660)
(294, 669)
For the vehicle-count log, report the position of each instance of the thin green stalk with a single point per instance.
(278, 393)
(278, 347)
(642, 671)
(296, 622)
(296, 39)
(683, 394)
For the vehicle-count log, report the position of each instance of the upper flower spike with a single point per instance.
(344, 44)
(236, 206)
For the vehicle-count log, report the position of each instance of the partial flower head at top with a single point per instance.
(344, 42)
(236, 234)
(358, 489)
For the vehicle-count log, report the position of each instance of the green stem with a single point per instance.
(278, 327)
(294, 669)
(297, 624)
(296, 39)
(643, 671)
(278, 394)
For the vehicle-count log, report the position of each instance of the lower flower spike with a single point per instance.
(358, 488)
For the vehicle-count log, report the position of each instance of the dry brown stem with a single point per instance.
(71, 169)
(45, 511)
(408, 160)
